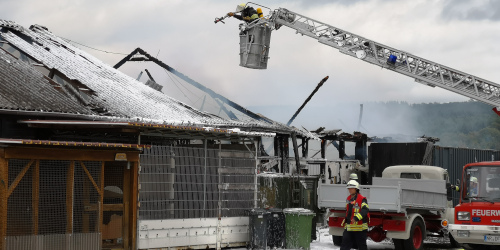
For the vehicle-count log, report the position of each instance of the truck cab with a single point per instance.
(477, 217)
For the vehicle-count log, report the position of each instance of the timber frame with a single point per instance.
(35, 154)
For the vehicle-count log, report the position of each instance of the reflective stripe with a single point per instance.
(364, 205)
(355, 227)
(359, 217)
(254, 16)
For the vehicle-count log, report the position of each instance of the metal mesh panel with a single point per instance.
(237, 201)
(53, 205)
(86, 199)
(19, 209)
(112, 231)
(182, 182)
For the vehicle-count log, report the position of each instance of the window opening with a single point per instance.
(16, 52)
(76, 88)
(411, 175)
(72, 87)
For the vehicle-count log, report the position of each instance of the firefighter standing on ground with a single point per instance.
(248, 13)
(356, 220)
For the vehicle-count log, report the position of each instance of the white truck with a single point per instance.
(407, 204)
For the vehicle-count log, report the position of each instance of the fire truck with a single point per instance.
(477, 216)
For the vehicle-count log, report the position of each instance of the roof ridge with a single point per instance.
(11, 25)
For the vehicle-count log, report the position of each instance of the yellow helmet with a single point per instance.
(473, 179)
(353, 176)
(241, 7)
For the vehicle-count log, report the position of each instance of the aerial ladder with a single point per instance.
(254, 51)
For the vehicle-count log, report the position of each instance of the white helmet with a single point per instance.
(353, 184)
(353, 176)
(473, 179)
(240, 7)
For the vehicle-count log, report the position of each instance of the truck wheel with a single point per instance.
(417, 235)
(337, 240)
(398, 244)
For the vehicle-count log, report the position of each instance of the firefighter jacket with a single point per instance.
(249, 12)
(357, 211)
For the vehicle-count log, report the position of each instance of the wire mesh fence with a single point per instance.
(53, 205)
(186, 182)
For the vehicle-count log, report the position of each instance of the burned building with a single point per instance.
(93, 159)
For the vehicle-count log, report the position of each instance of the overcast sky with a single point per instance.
(461, 34)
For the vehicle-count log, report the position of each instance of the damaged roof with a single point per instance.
(43, 73)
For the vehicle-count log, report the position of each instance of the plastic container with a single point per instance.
(258, 226)
(298, 227)
(254, 47)
(276, 224)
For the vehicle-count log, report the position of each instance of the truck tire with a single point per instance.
(398, 244)
(337, 240)
(417, 235)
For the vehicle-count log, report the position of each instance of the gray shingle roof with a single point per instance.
(24, 88)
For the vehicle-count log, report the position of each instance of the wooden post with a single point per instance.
(35, 195)
(101, 200)
(70, 185)
(4, 186)
(86, 204)
(126, 203)
(19, 177)
(296, 153)
(305, 147)
(322, 165)
(134, 197)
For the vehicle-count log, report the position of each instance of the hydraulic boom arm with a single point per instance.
(422, 70)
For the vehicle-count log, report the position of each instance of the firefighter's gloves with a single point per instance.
(246, 18)
(230, 14)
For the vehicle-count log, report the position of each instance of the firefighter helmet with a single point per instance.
(353, 184)
(240, 7)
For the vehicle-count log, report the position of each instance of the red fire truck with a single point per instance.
(477, 217)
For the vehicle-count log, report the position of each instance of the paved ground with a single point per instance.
(325, 242)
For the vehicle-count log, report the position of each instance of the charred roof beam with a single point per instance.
(198, 85)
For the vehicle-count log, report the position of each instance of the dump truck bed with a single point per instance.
(389, 195)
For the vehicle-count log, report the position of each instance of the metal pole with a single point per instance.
(205, 179)
(256, 143)
(219, 226)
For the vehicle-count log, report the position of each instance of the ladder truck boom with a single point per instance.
(422, 70)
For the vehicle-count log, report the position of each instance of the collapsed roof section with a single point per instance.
(44, 74)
